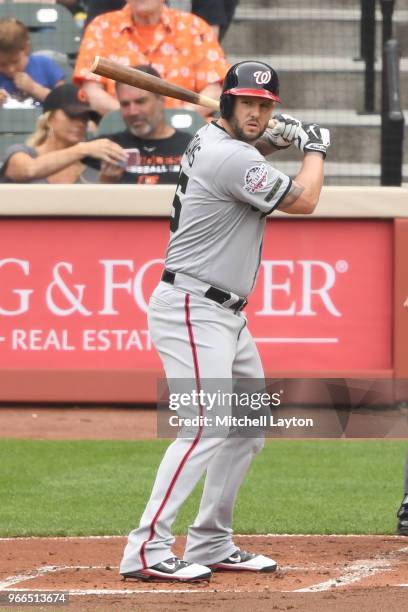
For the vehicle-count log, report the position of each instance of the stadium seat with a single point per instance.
(179, 118)
(19, 120)
(183, 119)
(111, 123)
(6, 140)
(16, 125)
(52, 27)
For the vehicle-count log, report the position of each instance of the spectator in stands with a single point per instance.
(218, 13)
(56, 151)
(160, 146)
(23, 75)
(181, 46)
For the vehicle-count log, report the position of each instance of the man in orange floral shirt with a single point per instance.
(180, 46)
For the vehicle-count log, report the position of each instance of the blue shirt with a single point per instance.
(41, 69)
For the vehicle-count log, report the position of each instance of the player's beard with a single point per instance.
(240, 134)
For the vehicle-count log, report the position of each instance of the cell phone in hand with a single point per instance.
(133, 160)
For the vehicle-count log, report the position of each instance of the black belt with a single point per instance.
(213, 293)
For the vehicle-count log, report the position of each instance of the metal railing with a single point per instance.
(387, 9)
(367, 44)
(392, 118)
(367, 52)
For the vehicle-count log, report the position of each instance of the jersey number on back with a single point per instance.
(180, 190)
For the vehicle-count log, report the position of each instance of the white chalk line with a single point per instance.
(49, 569)
(12, 580)
(41, 571)
(100, 592)
(355, 573)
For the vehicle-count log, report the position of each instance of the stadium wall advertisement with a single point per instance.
(74, 296)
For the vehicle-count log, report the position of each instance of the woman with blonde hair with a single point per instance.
(55, 152)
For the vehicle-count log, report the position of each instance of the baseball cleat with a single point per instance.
(241, 560)
(171, 570)
(402, 527)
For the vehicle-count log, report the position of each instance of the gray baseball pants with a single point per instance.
(198, 339)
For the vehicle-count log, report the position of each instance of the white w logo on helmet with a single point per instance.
(262, 77)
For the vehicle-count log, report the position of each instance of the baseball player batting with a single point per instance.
(225, 192)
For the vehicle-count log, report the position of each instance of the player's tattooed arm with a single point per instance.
(289, 202)
(305, 192)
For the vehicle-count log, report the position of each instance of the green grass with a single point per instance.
(101, 487)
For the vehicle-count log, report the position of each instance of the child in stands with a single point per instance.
(22, 74)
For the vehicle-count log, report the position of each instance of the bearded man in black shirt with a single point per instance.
(154, 147)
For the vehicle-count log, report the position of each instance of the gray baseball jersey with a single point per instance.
(225, 191)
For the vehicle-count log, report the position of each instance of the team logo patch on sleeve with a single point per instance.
(256, 178)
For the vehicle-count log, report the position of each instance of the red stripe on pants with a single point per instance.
(195, 441)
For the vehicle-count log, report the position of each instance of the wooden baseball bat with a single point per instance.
(131, 76)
